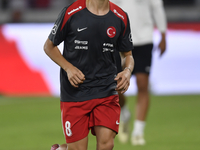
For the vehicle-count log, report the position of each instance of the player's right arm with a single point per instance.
(75, 76)
(57, 36)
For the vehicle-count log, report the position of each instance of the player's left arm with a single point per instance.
(123, 78)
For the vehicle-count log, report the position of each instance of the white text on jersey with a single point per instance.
(73, 10)
(115, 11)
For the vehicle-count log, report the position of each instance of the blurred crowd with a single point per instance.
(24, 4)
(17, 7)
(181, 2)
(5, 4)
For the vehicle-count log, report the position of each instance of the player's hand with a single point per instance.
(123, 81)
(162, 46)
(75, 76)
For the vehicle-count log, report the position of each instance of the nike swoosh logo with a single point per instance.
(117, 122)
(79, 30)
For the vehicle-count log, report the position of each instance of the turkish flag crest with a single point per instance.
(111, 32)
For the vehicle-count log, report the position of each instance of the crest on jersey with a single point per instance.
(111, 32)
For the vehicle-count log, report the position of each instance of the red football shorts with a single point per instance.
(79, 117)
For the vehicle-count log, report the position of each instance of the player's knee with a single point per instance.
(143, 90)
(142, 86)
(106, 145)
(74, 148)
(62, 147)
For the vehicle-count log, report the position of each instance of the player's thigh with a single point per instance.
(75, 121)
(106, 113)
(105, 137)
(104, 133)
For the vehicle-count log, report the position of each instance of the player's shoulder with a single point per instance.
(68, 11)
(118, 11)
(74, 7)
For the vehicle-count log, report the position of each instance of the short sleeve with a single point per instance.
(125, 42)
(59, 31)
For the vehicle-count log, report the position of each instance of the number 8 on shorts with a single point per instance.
(67, 128)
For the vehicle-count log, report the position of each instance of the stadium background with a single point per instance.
(29, 80)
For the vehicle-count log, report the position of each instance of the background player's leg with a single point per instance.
(142, 106)
(125, 115)
(105, 138)
(122, 99)
(143, 96)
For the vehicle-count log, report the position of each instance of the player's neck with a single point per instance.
(98, 7)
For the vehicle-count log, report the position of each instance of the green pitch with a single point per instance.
(33, 123)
